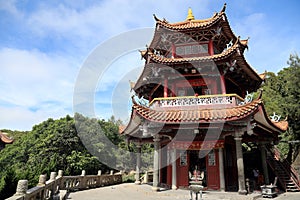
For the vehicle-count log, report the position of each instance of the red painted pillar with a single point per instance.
(173, 90)
(222, 81)
(223, 88)
(210, 48)
(166, 88)
(169, 175)
(173, 51)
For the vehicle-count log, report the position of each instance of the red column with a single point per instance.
(169, 175)
(223, 88)
(166, 88)
(173, 90)
(211, 52)
(173, 51)
(210, 47)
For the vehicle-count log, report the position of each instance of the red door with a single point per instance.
(212, 170)
(183, 169)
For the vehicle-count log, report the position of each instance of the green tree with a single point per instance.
(282, 95)
(49, 146)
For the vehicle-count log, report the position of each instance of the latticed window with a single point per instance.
(194, 49)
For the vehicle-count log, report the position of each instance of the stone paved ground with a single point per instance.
(131, 191)
(288, 196)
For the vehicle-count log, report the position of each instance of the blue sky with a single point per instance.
(44, 44)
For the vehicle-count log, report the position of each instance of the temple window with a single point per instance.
(193, 91)
(191, 49)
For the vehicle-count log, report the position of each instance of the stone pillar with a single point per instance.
(138, 165)
(42, 180)
(221, 169)
(240, 165)
(99, 172)
(60, 173)
(264, 163)
(83, 173)
(22, 187)
(52, 176)
(159, 165)
(156, 164)
(174, 170)
(146, 179)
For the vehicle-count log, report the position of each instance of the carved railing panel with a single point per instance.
(206, 100)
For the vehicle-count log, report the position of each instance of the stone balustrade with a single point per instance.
(58, 186)
(191, 101)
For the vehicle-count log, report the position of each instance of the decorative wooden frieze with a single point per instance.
(196, 101)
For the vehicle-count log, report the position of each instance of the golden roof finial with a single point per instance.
(190, 15)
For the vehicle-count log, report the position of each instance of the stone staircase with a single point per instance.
(288, 178)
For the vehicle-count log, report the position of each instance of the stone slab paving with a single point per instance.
(287, 196)
(130, 191)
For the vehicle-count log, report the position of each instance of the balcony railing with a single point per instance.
(229, 100)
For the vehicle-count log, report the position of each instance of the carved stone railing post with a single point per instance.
(53, 176)
(52, 189)
(99, 178)
(111, 172)
(42, 180)
(60, 173)
(22, 187)
(83, 183)
(146, 177)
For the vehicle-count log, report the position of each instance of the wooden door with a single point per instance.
(183, 169)
(212, 170)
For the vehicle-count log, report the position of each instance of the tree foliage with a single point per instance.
(69, 144)
(50, 146)
(282, 95)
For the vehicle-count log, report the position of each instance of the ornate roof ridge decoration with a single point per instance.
(191, 22)
(263, 75)
(282, 125)
(4, 138)
(244, 42)
(190, 15)
(161, 59)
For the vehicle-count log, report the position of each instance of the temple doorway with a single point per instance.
(198, 165)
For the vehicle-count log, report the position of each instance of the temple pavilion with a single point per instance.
(201, 113)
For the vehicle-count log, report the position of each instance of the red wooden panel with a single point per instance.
(212, 170)
(182, 169)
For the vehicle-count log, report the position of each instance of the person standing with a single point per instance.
(255, 176)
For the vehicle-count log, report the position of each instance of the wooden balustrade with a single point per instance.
(58, 186)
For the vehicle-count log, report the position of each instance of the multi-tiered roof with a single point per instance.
(222, 56)
(227, 48)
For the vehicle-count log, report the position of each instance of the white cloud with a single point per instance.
(20, 118)
(9, 6)
(268, 50)
(31, 78)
